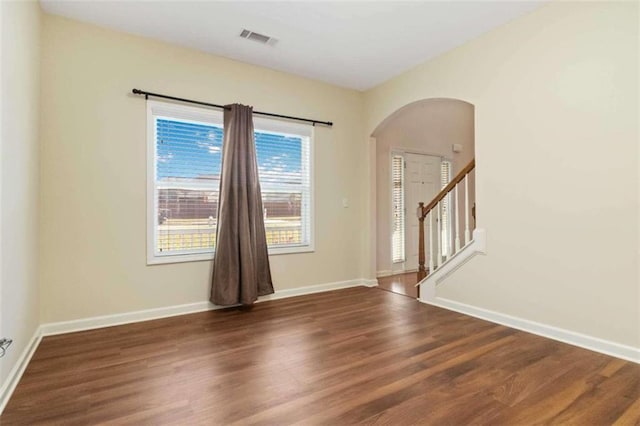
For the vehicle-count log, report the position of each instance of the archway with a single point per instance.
(417, 150)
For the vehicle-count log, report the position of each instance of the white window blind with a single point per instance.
(284, 166)
(397, 183)
(184, 180)
(445, 178)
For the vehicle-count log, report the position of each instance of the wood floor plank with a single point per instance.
(357, 355)
(631, 416)
(401, 284)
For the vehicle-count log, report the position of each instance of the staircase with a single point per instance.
(451, 242)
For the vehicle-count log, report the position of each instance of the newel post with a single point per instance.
(422, 272)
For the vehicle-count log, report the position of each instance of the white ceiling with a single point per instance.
(355, 44)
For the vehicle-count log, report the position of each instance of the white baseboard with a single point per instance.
(606, 347)
(16, 372)
(62, 327)
(318, 288)
(369, 283)
(83, 324)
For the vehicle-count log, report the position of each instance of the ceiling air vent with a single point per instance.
(260, 38)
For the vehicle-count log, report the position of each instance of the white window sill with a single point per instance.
(178, 258)
(200, 257)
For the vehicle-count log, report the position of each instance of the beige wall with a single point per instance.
(20, 86)
(556, 103)
(430, 127)
(94, 169)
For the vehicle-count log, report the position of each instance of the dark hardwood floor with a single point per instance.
(401, 284)
(358, 355)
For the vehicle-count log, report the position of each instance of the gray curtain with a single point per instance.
(241, 270)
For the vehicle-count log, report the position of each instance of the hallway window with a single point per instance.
(445, 178)
(397, 182)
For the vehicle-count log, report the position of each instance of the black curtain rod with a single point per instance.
(267, 114)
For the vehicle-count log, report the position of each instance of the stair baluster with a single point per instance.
(467, 234)
(432, 265)
(438, 253)
(456, 227)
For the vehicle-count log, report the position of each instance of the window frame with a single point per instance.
(269, 125)
(448, 204)
(210, 116)
(401, 155)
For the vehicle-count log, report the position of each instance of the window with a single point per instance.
(397, 200)
(445, 178)
(184, 162)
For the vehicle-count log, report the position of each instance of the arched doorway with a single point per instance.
(418, 150)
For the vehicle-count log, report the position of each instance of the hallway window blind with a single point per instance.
(398, 210)
(185, 152)
(445, 178)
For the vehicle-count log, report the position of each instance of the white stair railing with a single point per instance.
(432, 211)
